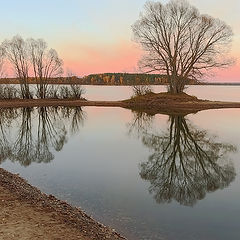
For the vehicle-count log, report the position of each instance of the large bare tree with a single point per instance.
(186, 163)
(32, 58)
(2, 72)
(45, 64)
(180, 42)
(16, 51)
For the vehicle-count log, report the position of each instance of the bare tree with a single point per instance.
(39, 131)
(22, 150)
(7, 116)
(51, 133)
(180, 42)
(74, 116)
(186, 162)
(45, 64)
(76, 90)
(140, 90)
(140, 123)
(2, 72)
(16, 52)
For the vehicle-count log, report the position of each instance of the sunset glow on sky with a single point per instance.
(95, 36)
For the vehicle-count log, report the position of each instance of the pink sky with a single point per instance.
(115, 51)
(84, 59)
(95, 36)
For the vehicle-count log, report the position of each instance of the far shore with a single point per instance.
(123, 85)
(99, 81)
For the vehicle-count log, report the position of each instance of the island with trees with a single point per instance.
(180, 45)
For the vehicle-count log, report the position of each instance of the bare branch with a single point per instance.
(180, 42)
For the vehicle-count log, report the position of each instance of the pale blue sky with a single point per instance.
(95, 36)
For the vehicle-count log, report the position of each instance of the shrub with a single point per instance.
(139, 90)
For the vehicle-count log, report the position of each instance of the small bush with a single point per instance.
(140, 90)
(72, 92)
(77, 90)
(52, 92)
(8, 92)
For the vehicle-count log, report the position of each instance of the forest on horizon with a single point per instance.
(128, 79)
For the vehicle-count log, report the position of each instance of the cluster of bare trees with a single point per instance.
(8, 92)
(46, 64)
(33, 59)
(39, 132)
(181, 43)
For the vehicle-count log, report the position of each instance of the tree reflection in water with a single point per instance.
(6, 118)
(39, 132)
(186, 162)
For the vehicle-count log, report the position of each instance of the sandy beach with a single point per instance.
(27, 213)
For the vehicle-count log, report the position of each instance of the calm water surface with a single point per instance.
(217, 93)
(149, 177)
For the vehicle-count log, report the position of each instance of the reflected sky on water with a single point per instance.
(148, 176)
(215, 93)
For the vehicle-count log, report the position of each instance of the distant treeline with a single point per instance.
(103, 79)
(124, 79)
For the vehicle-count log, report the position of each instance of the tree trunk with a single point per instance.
(176, 85)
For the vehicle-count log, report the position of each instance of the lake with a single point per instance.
(150, 177)
(215, 93)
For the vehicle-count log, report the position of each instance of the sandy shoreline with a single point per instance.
(158, 106)
(27, 213)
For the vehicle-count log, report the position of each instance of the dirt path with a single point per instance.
(28, 214)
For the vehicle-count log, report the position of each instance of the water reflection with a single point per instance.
(40, 131)
(186, 162)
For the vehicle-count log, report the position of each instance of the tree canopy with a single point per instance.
(180, 42)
